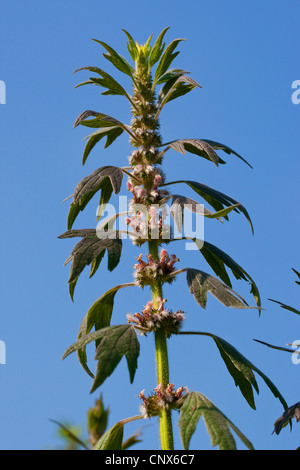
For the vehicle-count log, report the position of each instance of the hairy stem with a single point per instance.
(162, 363)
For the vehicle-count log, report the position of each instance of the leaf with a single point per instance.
(179, 203)
(166, 59)
(98, 316)
(131, 46)
(107, 81)
(101, 120)
(200, 283)
(291, 412)
(114, 342)
(70, 434)
(215, 198)
(217, 424)
(110, 132)
(116, 59)
(218, 259)
(111, 439)
(157, 49)
(89, 248)
(107, 178)
(279, 348)
(286, 307)
(176, 88)
(241, 369)
(228, 150)
(195, 146)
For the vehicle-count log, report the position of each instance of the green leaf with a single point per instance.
(116, 59)
(71, 435)
(195, 146)
(218, 259)
(166, 59)
(177, 88)
(228, 150)
(111, 439)
(131, 46)
(110, 132)
(179, 203)
(291, 412)
(279, 348)
(217, 424)
(286, 307)
(114, 342)
(200, 283)
(107, 178)
(89, 248)
(107, 81)
(241, 369)
(215, 198)
(157, 49)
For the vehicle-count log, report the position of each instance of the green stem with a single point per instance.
(162, 363)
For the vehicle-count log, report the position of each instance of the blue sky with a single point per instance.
(246, 58)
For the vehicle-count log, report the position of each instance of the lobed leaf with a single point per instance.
(166, 59)
(89, 248)
(241, 369)
(218, 259)
(195, 146)
(131, 46)
(107, 178)
(116, 59)
(157, 49)
(114, 342)
(215, 198)
(226, 149)
(217, 424)
(200, 283)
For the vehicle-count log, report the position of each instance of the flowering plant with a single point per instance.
(154, 84)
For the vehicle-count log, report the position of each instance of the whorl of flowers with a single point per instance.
(152, 270)
(162, 398)
(152, 319)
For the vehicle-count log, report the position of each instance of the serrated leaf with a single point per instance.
(166, 59)
(218, 259)
(112, 439)
(89, 248)
(157, 49)
(175, 88)
(200, 283)
(107, 178)
(195, 146)
(110, 132)
(215, 198)
(116, 59)
(101, 120)
(107, 81)
(241, 369)
(226, 149)
(114, 342)
(217, 424)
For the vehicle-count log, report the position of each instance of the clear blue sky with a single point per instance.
(246, 58)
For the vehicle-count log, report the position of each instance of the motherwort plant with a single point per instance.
(153, 85)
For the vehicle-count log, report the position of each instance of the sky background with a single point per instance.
(246, 57)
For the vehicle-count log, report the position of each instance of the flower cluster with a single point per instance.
(153, 270)
(152, 319)
(161, 398)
